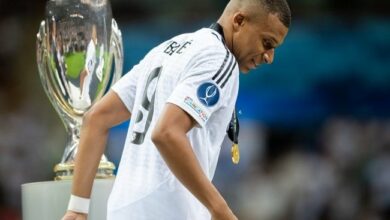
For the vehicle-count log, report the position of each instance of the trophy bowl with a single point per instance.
(77, 44)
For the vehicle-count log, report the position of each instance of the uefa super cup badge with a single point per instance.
(77, 44)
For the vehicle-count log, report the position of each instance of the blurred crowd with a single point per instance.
(332, 168)
(339, 173)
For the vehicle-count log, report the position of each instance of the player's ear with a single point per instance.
(238, 21)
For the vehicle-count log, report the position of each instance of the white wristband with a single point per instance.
(78, 204)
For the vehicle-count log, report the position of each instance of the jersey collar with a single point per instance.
(218, 28)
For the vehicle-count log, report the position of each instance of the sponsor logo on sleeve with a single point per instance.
(202, 114)
(208, 94)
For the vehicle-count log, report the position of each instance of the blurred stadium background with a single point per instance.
(315, 126)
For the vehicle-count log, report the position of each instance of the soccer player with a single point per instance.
(84, 100)
(180, 99)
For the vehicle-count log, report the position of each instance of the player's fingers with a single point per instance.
(70, 216)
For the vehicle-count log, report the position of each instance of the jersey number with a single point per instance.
(145, 112)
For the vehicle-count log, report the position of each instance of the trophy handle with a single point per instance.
(42, 45)
(43, 62)
(117, 50)
(46, 75)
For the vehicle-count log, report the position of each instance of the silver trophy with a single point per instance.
(76, 46)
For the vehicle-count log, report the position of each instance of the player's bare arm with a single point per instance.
(106, 113)
(170, 138)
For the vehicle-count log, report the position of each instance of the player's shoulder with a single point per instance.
(209, 37)
(207, 40)
(204, 40)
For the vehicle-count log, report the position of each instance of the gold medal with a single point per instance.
(235, 154)
(232, 132)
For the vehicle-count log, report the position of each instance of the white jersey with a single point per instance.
(84, 101)
(199, 74)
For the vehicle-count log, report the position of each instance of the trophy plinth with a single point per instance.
(49, 200)
(77, 43)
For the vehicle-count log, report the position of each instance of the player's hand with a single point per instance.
(70, 215)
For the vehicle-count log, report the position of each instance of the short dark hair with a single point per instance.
(279, 7)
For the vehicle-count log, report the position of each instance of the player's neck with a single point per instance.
(226, 30)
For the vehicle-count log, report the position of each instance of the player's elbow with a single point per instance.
(94, 118)
(162, 136)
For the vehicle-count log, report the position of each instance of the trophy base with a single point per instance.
(64, 171)
(49, 200)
